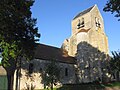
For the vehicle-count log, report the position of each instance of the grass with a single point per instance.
(88, 86)
(81, 87)
(112, 84)
(3, 82)
(47, 89)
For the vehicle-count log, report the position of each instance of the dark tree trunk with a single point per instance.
(10, 69)
(16, 86)
(51, 87)
(10, 78)
(52, 84)
(18, 72)
(117, 75)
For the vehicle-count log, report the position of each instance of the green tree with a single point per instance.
(0, 57)
(113, 6)
(52, 74)
(18, 34)
(115, 64)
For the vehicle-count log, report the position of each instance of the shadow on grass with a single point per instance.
(112, 84)
(90, 86)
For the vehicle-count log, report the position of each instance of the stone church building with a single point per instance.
(81, 57)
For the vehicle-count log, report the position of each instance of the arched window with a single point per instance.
(97, 22)
(40, 69)
(66, 71)
(80, 23)
(30, 68)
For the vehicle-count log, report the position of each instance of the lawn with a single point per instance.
(112, 84)
(92, 86)
(89, 86)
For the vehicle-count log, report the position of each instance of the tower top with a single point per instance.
(87, 26)
(84, 12)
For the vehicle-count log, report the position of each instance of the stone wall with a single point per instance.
(36, 79)
(87, 23)
(91, 63)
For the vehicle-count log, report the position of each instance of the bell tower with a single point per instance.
(88, 26)
(88, 19)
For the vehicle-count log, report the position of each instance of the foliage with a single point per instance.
(8, 52)
(17, 29)
(113, 6)
(18, 32)
(0, 56)
(52, 74)
(115, 63)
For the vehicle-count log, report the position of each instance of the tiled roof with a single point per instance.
(83, 12)
(46, 52)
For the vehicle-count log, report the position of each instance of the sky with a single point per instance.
(54, 20)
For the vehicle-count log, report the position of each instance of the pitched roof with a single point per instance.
(46, 52)
(83, 12)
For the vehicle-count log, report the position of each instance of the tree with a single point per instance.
(18, 34)
(52, 74)
(0, 57)
(113, 6)
(115, 64)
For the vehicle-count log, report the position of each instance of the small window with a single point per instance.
(80, 23)
(40, 69)
(66, 71)
(99, 25)
(30, 68)
(97, 22)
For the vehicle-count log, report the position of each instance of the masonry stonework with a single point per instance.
(90, 31)
(35, 79)
(89, 44)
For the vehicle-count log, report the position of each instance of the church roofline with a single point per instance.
(84, 12)
(46, 52)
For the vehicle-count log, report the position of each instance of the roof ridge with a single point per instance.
(48, 45)
(46, 52)
(84, 12)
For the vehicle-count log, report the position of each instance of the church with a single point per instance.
(81, 57)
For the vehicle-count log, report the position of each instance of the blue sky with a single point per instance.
(54, 20)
